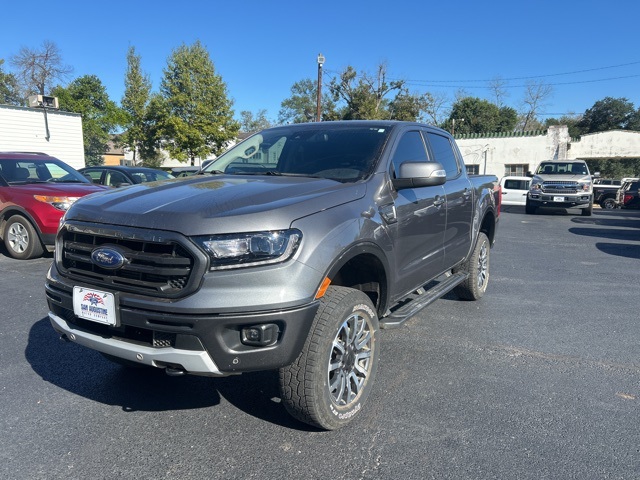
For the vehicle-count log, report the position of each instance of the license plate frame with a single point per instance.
(95, 305)
(558, 199)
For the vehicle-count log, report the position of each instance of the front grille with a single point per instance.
(560, 187)
(161, 268)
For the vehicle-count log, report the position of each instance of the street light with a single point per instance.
(318, 101)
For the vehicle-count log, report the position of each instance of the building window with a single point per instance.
(516, 169)
(473, 169)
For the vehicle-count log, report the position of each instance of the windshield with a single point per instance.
(344, 154)
(22, 171)
(563, 168)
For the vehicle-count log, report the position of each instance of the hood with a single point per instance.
(216, 204)
(539, 177)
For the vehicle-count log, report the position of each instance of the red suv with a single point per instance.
(35, 191)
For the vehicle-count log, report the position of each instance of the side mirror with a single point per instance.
(419, 174)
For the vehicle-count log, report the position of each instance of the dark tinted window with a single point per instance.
(410, 148)
(516, 184)
(443, 153)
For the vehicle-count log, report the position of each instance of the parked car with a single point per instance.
(118, 176)
(184, 171)
(289, 252)
(514, 190)
(35, 191)
(629, 195)
(604, 192)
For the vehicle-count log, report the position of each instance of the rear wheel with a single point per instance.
(329, 382)
(477, 266)
(21, 238)
(608, 204)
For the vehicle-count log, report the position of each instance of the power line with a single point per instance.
(440, 83)
(521, 86)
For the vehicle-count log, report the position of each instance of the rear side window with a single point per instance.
(444, 154)
(516, 184)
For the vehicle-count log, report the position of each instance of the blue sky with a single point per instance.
(586, 50)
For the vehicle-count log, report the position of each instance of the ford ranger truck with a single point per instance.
(561, 184)
(289, 252)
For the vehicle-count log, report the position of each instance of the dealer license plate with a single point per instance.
(558, 199)
(94, 305)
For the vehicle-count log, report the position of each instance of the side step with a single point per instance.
(422, 297)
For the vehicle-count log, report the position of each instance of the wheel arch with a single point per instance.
(363, 267)
(14, 210)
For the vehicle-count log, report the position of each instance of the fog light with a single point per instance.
(260, 335)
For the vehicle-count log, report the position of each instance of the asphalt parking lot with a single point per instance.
(539, 379)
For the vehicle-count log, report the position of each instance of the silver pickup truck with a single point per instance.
(561, 184)
(288, 252)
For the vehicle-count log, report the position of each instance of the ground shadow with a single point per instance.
(87, 373)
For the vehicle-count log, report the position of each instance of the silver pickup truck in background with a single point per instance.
(561, 184)
(288, 252)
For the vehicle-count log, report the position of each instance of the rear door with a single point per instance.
(459, 197)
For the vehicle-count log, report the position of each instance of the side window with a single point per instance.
(115, 179)
(443, 153)
(410, 148)
(94, 174)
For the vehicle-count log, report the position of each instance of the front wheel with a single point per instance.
(529, 209)
(477, 266)
(586, 212)
(328, 384)
(21, 239)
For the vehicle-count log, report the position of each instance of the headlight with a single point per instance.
(585, 186)
(536, 186)
(249, 249)
(61, 203)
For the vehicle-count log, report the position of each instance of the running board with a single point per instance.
(422, 297)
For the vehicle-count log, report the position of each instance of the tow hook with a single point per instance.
(64, 338)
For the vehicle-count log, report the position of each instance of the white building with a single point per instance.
(56, 133)
(516, 154)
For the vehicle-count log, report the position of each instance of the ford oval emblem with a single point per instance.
(106, 257)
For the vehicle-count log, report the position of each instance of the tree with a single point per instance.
(134, 104)
(38, 69)
(499, 88)
(302, 105)
(480, 116)
(100, 116)
(536, 94)
(250, 124)
(365, 96)
(608, 114)
(197, 118)
(9, 88)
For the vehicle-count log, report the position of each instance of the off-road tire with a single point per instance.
(21, 239)
(477, 266)
(586, 212)
(328, 384)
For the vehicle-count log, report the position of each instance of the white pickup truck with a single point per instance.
(561, 184)
(514, 190)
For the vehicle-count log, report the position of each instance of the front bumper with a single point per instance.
(560, 201)
(187, 342)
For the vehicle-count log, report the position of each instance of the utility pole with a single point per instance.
(319, 99)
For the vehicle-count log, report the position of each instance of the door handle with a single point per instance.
(438, 201)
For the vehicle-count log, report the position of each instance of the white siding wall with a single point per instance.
(23, 129)
(554, 144)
